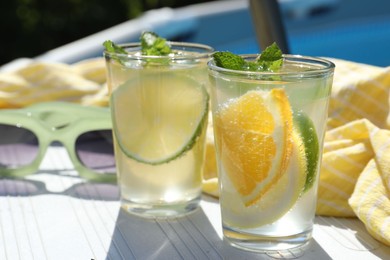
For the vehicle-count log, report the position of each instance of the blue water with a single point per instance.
(363, 41)
(354, 30)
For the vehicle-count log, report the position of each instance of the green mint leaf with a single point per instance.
(271, 59)
(228, 60)
(151, 45)
(112, 47)
(154, 45)
(271, 53)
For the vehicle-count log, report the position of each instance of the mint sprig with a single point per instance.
(229, 60)
(271, 59)
(112, 47)
(154, 45)
(151, 45)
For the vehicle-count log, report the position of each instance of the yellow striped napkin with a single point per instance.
(359, 91)
(42, 81)
(355, 173)
(355, 176)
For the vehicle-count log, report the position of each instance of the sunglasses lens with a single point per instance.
(95, 150)
(18, 146)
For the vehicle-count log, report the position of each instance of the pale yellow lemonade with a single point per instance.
(269, 133)
(159, 111)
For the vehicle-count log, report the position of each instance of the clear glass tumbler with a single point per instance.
(268, 130)
(159, 107)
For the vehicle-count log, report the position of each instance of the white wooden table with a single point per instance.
(53, 214)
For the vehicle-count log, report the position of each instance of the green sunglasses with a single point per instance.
(85, 132)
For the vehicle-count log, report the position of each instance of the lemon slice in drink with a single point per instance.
(158, 117)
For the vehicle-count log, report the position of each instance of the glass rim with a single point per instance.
(207, 51)
(325, 66)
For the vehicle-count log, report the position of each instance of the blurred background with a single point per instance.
(31, 27)
(355, 30)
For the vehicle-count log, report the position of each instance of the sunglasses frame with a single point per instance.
(60, 122)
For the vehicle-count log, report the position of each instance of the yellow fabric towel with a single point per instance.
(359, 91)
(355, 176)
(42, 81)
(355, 173)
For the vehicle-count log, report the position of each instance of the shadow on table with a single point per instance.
(189, 237)
(59, 186)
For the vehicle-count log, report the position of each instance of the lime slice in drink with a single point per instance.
(158, 117)
(306, 130)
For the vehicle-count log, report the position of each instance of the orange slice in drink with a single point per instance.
(255, 141)
(262, 158)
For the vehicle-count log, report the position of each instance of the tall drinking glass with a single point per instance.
(159, 107)
(269, 129)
